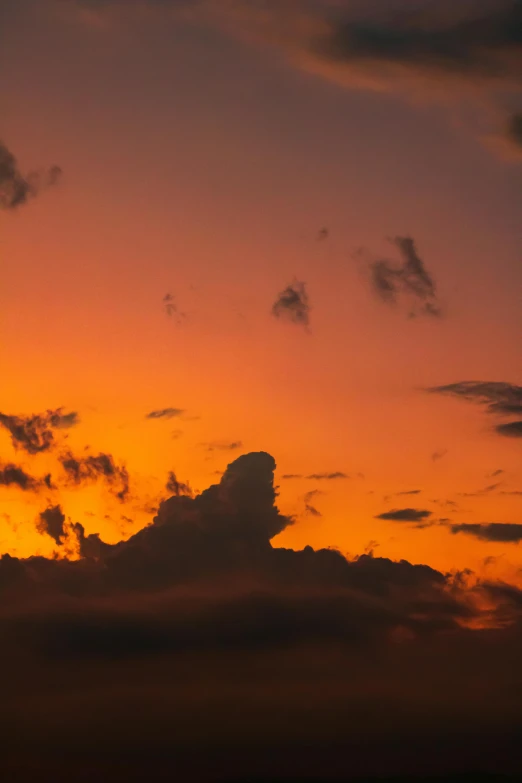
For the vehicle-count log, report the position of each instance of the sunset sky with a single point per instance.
(201, 157)
(285, 226)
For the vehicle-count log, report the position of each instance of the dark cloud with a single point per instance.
(323, 234)
(327, 476)
(409, 492)
(172, 310)
(439, 455)
(36, 433)
(405, 515)
(514, 131)
(498, 397)
(480, 42)
(290, 476)
(81, 470)
(177, 487)
(410, 279)
(293, 304)
(165, 413)
(223, 445)
(484, 491)
(502, 532)
(51, 521)
(512, 429)
(197, 645)
(496, 473)
(13, 475)
(16, 189)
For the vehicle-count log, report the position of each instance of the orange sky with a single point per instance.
(203, 164)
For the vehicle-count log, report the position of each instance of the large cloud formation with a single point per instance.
(417, 49)
(198, 649)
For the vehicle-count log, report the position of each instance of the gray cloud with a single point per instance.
(35, 434)
(410, 279)
(293, 304)
(405, 515)
(501, 532)
(16, 189)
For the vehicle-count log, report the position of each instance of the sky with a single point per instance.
(232, 228)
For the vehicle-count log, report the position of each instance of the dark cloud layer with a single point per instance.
(82, 470)
(411, 279)
(482, 41)
(16, 189)
(36, 433)
(405, 515)
(176, 487)
(198, 650)
(502, 532)
(293, 304)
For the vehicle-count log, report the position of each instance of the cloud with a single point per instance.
(439, 455)
(405, 515)
(411, 280)
(81, 470)
(35, 434)
(512, 429)
(514, 132)
(409, 492)
(498, 397)
(476, 42)
(293, 304)
(223, 445)
(327, 476)
(199, 640)
(172, 310)
(165, 413)
(501, 532)
(51, 521)
(17, 189)
(177, 487)
(13, 475)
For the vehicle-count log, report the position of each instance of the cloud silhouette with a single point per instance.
(498, 397)
(293, 304)
(84, 470)
(51, 521)
(501, 532)
(36, 433)
(17, 189)
(410, 279)
(176, 487)
(223, 445)
(13, 475)
(202, 608)
(405, 515)
(165, 413)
